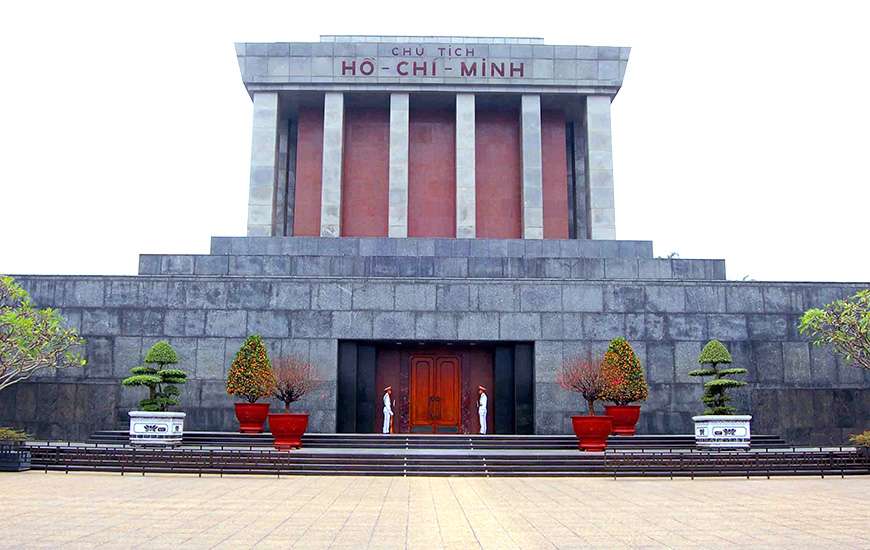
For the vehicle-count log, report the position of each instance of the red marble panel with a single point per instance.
(432, 173)
(555, 175)
(309, 163)
(499, 174)
(365, 186)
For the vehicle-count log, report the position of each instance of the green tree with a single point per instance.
(250, 375)
(32, 339)
(845, 325)
(10, 436)
(716, 396)
(160, 381)
(623, 373)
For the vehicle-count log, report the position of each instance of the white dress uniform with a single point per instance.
(388, 412)
(481, 412)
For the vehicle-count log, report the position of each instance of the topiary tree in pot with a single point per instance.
(251, 378)
(719, 426)
(293, 379)
(625, 384)
(160, 381)
(153, 423)
(586, 378)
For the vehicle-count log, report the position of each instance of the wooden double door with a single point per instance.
(435, 394)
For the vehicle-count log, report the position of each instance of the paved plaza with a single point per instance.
(176, 511)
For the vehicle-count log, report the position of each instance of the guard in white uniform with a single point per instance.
(481, 408)
(388, 409)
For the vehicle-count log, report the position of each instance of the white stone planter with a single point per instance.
(722, 431)
(156, 428)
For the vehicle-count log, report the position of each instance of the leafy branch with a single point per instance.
(844, 325)
(32, 339)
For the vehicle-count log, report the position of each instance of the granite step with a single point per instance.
(124, 459)
(419, 441)
(510, 267)
(443, 247)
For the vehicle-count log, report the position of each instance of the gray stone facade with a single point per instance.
(205, 309)
(566, 298)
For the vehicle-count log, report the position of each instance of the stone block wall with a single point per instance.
(805, 394)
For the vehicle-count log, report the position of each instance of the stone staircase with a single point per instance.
(436, 442)
(220, 453)
(430, 258)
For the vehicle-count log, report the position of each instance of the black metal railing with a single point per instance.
(220, 460)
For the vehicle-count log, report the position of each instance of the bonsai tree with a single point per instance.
(250, 376)
(585, 378)
(715, 391)
(293, 379)
(623, 374)
(861, 440)
(32, 339)
(160, 381)
(10, 436)
(845, 325)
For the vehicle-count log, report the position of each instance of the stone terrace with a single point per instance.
(466, 258)
(803, 393)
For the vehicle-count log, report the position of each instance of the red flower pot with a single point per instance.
(287, 429)
(592, 431)
(251, 417)
(624, 418)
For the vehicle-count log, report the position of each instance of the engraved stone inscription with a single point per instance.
(433, 61)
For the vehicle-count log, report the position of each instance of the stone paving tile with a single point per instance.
(173, 511)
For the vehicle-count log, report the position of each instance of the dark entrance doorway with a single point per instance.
(434, 396)
(435, 386)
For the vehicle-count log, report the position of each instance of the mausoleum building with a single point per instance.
(437, 214)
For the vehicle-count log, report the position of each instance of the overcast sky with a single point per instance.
(741, 130)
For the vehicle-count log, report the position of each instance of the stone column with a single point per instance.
(599, 174)
(290, 212)
(466, 210)
(581, 185)
(398, 208)
(264, 164)
(533, 182)
(279, 215)
(333, 144)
